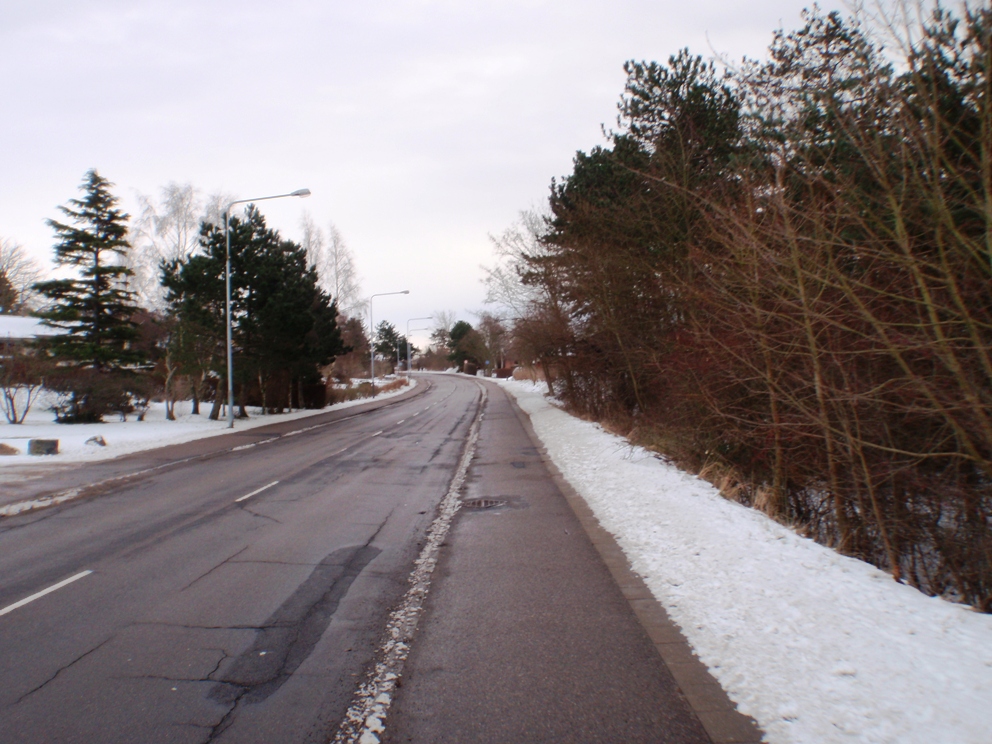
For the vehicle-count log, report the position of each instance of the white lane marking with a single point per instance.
(43, 592)
(399, 422)
(256, 492)
(376, 434)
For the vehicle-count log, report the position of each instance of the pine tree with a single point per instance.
(93, 311)
(388, 340)
(284, 324)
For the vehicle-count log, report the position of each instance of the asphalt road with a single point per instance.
(209, 618)
(237, 590)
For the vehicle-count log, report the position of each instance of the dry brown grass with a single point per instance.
(363, 390)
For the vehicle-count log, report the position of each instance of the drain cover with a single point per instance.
(483, 503)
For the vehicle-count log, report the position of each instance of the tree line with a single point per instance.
(133, 322)
(781, 275)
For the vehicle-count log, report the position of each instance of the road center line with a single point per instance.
(256, 492)
(399, 422)
(376, 434)
(43, 592)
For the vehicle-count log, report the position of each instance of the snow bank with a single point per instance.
(817, 647)
(125, 437)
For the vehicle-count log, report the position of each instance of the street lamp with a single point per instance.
(302, 193)
(372, 331)
(408, 338)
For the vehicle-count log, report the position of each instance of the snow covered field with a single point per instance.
(817, 647)
(124, 437)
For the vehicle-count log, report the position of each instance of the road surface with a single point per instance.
(240, 594)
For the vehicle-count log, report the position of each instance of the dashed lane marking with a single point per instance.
(256, 491)
(43, 592)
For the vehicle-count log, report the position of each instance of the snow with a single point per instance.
(16, 327)
(125, 437)
(815, 646)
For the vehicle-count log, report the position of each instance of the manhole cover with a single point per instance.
(483, 503)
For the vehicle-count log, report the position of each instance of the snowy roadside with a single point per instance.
(815, 646)
(125, 437)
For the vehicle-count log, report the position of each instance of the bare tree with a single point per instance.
(164, 231)
(335, 266)
(343, 275)
(495, 339)
(313, 244)
(531, 300)
(17, 275)
(504, 283)
(22, 374)
(441, 334)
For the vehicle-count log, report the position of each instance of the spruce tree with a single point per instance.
(94, 310)
(95, 351)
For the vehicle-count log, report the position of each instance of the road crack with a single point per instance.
(62, 669)
(210, 571)
(259, 515)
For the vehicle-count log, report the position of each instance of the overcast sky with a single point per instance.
(420, 126)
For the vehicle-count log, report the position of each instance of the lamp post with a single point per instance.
(408, 338)
(303, 193)
(372, 331)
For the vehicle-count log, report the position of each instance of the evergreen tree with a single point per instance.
(285, 325)
(388, 340)
(95, 352)
(466, 345)
(93, 311)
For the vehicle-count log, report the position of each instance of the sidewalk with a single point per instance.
(537, 631)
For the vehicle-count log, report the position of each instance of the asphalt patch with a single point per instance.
(290, 634)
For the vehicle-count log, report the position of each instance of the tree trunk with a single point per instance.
(215, 408)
